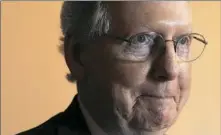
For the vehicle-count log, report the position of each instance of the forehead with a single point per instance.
(160, 16)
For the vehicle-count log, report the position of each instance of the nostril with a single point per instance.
(162, 78)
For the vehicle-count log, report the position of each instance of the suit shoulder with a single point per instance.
(69, 122)
(49, 127)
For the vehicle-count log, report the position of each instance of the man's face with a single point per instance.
(147, 92)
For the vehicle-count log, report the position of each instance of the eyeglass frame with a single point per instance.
(175, 41)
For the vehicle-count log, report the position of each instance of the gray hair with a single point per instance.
(84, 20)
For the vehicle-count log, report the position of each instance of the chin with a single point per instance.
(151, 114)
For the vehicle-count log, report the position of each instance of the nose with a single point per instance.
(165, 66)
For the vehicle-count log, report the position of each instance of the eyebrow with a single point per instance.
(148, 28)
(152, 29)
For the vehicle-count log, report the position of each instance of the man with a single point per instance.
(131, 64)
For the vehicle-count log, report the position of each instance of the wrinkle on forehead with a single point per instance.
(166, 10)
(161, 16)
(172, 22)
(167, 17)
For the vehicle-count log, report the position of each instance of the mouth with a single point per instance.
(155, 96)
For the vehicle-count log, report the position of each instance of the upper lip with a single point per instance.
(155, 96)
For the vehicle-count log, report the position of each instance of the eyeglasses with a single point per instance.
(188, 47)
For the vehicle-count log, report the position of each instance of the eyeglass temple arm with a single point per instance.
(118, 38)
(205, 42)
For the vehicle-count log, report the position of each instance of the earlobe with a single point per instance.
(72, 57)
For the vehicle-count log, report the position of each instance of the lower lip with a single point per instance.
(157, 100)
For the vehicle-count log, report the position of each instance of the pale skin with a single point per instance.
(116, 88)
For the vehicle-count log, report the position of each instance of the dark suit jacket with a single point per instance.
(69, 122)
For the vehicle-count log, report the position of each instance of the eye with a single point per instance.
(185, 41)
(142, 39)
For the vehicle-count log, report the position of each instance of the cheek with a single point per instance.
(130, 75)
(123, 100)
(184, 76)
(98, 64)
(184, 84)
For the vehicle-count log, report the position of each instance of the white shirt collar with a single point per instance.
(93, 127)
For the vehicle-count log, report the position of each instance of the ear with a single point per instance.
(72, 57)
